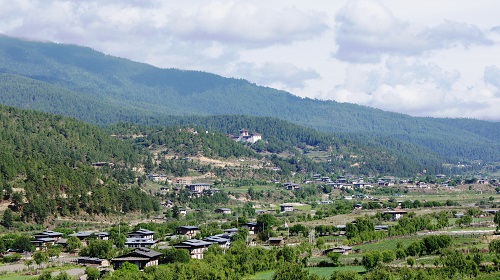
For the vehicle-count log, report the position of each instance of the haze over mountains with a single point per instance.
(101, 89)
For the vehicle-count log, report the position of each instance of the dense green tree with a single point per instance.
(7, 220)
(23, 242)
(98, 249)
(129, 267)
(494, 246)
(334, 257)
(496, 220)
(371, 259)
(40, 257)
(345, 275)
(388, 256)
(73, 244)
(266, 221)
(175, 255)
(291, 271)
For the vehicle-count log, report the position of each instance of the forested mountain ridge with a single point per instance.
(98, 88)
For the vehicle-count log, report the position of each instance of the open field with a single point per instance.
(320, 271)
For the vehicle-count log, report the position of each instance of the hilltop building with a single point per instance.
(246, 137)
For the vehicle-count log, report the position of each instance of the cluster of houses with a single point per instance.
(197, 247)
(135, 239)
(142, 240)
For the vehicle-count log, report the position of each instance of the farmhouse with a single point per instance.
(343, 250)
(189, 231)
(223, 211)
(92, 261)
(198, 187)
(195, 247)
(46, 238)
(396, 214)
(224, 241)
(286, 208)
(276, 241)
(291, 186)
(253, 227)
(231, 231)
(140, 238)
(141, 233)
(141, 257)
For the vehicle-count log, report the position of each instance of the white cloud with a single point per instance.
(281, 75)
(492, 76)
(419, 89)
(244, 23)
(367, 30)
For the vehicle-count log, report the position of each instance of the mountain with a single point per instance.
(94, 87)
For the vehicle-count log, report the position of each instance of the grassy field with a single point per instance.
(320, 271)
(16, 276)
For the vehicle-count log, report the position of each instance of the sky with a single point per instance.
(422, 58)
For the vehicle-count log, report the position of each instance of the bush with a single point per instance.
(11, 258)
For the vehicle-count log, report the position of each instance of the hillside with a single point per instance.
(48, 168)
(94, 87)
(51, 165)
(292, 148)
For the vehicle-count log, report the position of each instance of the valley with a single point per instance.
(122, 170)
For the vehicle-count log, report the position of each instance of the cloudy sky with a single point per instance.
(423, 58)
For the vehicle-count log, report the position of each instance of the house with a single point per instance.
(231, 231)
(189, 231)
(361, 185)
(252, 227)
(137, 242)
(141, 233)
(223, 211)
(157, 177)
(335, 185)
(48, 234)
(46, 238)
(183, 211)
(182, 181)
(396, 214)
(141, 257)
(85, 261)
(198, 187)
(286, 208)
(382, 227)
(276, 241)
(343, 250)
(224, 241)
(195, 247)
(140, 238)
(291, 186)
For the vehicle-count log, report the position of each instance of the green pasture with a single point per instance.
(257, 188)
(320, 271)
